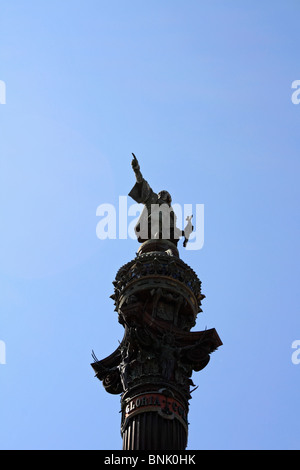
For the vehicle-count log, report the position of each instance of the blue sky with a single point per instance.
(201, 92)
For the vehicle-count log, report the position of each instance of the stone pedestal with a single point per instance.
(157, 297)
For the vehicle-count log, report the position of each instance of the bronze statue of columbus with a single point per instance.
(157, 220)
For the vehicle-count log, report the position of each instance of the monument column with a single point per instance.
(157, 297)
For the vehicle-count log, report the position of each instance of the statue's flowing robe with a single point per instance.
(157, 219)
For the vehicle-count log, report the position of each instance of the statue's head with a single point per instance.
(165, 196)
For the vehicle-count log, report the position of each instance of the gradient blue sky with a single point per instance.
(201, 92)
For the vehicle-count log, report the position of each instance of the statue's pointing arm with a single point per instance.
(136, 168)
(141, 192)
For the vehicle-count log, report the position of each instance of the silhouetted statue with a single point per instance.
(157, 220)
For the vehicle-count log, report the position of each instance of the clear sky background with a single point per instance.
(200, 91)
